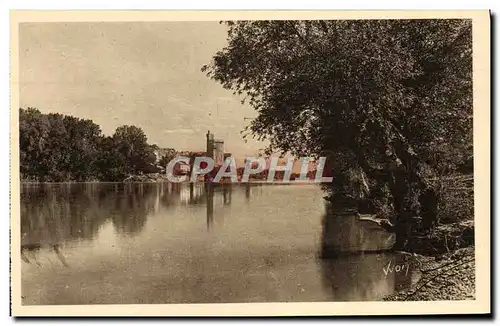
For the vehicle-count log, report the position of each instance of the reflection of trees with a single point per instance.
(51, 214)
(170, 194)
(29, 252)
(132, 208)
(54, 214)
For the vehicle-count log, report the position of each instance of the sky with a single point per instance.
(145, 74)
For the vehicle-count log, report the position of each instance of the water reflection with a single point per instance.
(55, 214)
(172, 243)
(28, 253)
(368, 276)
(130, 211)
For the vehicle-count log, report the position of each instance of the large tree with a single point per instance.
(82, 139)
(384, 100)
(132, 143)
(55, 147)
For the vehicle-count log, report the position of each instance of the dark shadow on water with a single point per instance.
(367, 277)
(357, 260)
(343, 232)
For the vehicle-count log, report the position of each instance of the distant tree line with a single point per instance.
(57, 148)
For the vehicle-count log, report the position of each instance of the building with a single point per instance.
(218, 153)
(215, 149)
(182, 168)
(162, 152)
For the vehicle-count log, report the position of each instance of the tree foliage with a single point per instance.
(169, 155)
(389, 102)
(56, 148)
(132, 144)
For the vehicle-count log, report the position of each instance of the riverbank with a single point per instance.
(162, 177)
(444, 277)
(147, 178)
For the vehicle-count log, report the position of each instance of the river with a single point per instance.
(170, 243)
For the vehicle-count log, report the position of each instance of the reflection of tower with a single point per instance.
(247, 191)
(191, 191)
(210, 204)
(226, 193)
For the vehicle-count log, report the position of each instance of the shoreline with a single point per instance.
(450, 276)
(277, 183)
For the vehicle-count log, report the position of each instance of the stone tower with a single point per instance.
(215, 149)
(210, 144)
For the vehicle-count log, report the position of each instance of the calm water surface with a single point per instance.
(164, 243)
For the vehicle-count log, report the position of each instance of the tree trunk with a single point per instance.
(402, 227)
(402, 224)
(429, 208)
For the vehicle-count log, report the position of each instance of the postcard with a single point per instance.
(250, 163)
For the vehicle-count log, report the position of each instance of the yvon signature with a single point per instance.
(396, 268)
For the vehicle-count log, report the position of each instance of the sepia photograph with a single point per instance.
(250, 163)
